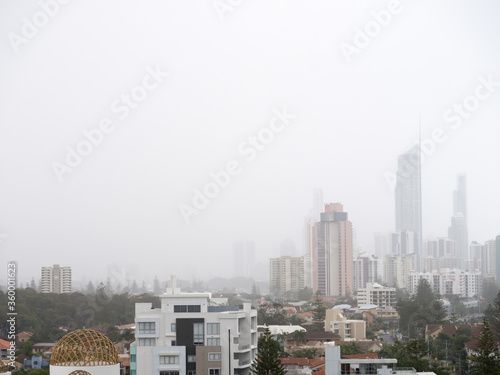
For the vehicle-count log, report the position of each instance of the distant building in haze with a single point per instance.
(332, 253)
(286, 274)
(56, 279)
(408, 196)
(458, 230)
(243, 258)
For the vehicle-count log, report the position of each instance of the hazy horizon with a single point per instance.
(206, 81)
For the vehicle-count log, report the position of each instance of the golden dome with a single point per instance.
(79, 372)
(84, 347)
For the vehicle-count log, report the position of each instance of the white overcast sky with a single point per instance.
(121, 204)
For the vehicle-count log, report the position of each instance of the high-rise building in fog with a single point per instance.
(310, 236)
(409, 198)
(286, 274)
(243, 258)
(458, 230)
(333, 252)
(497, 246)
(56, 279)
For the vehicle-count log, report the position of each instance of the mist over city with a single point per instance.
(218, 140)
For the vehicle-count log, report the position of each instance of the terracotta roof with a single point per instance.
(471, 344)
(295, 361)
(307, 313)
(361, 356)
(4, 344)
(311, 363)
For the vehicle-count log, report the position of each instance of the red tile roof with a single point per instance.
(4, 344)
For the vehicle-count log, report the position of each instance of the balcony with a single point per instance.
(243, 348)
(242, 364)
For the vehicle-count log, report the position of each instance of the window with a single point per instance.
(191, 372)
(235, 340)
(191, 358)
(213, 341)
(213, 329)
(132, 357)
(147, 342)
(198, 336)
(169, 372)
(174, 343)
(187, 308)
(214, 356)
(214, 371)
(172, 327)
(146, 327)
(169, 359)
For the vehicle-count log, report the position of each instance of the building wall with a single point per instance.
(287, 274)
(232, 330)
(56, 279)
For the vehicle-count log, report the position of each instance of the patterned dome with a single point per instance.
(79, 372)
(84, 347)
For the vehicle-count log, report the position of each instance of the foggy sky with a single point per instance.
(226, 80)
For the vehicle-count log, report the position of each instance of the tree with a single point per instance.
(487, 359)
(113, 333)
(492, 314)
(419, 310)
(319, 311)
(267, 361)
(351, 348)
(299, 337)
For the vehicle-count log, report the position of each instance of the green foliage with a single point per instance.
(305, 353)
(300, 337)
(487, 359)
(305, 294)
(319, 311)
(267, 361)
(26, 348)
(351, 348)
(33, 371)
(113, 333)
(42, 313)
(419, 310)
(492, 314)
(409, 353)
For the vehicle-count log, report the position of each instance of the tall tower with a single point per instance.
(310, 236)
(333, 261)
(458, 230)
(409, 198)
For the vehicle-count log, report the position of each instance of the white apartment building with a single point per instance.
(367, 269)
(449, 281)
(189, 334)
(397, 269)
(286, 274)
(56, 279)
(376, 294)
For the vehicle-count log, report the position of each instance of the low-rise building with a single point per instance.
(376, 294)
(190, 335)
(348, 329)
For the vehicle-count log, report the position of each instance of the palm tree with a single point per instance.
(299, 337)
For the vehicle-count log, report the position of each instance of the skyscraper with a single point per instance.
(56, 279)
(332, 259)
(310, 235)
(458, 230)
(409, 198)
